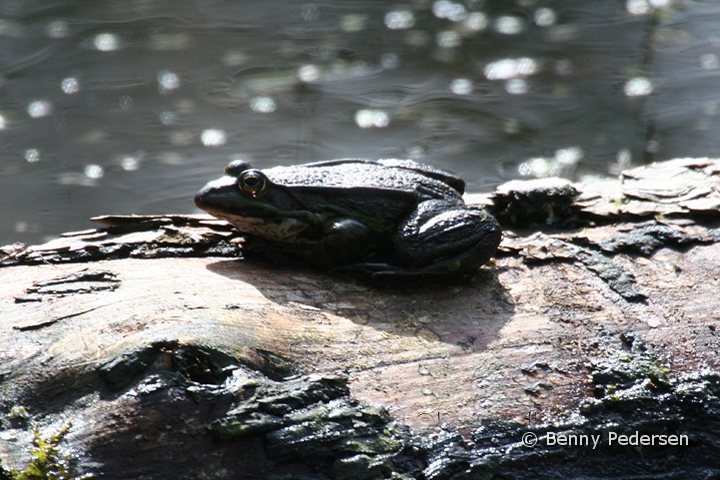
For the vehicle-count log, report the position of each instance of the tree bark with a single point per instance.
(598, 316)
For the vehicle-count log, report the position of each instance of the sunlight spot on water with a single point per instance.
(417, 38)
(94, 172)
(180, 138)
(39, 109)
(562, 33)
(569, 156)
(10, 28)
(310, 12)
(70, 85)
(461, 86)
(623, 162)
(653, 146)
(416, 152)
(390, 61)
(711, 108)
(399, 19)
(94, 137)
(32, 155)
(169, 41)
(353, 22)
(168, 118)
(129, 164)
(545, 17)
(509, 25)
(368, 118)
(511, 126)
(476, 22)
(125, 102)
(638, 87)
(308, 73)
(185, 105)
(564, 161)
(537, 167)
(643, 7)
(637, 7)
(234, 58)
(517, 86)
(213, 137)
(3, 123)
(263, 104)
(168, 81)
(76, 178)
(703, 123)
(448, 39)
(171, 158)
(624, 158)
(57, 29)
(563, 67)
(455, 12)
(508, 68)
(709, 61)
(106, 42)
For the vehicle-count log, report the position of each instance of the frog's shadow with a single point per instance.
(466, 312)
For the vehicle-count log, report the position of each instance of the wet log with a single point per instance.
(596, 322)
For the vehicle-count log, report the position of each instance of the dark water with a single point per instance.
(120, 107)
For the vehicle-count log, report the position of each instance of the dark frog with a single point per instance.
(388, 217)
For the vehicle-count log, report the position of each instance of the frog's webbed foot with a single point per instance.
(463, 263)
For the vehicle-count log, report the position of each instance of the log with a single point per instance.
(598, 319)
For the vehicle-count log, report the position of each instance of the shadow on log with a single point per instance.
(586, 349)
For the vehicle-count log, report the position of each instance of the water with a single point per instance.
(130, 107)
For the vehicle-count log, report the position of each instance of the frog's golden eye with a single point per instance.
(252, 182)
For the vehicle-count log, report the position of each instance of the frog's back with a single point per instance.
(399, 175)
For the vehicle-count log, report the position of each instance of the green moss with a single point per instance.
(454, 266)
(372, 445)
(619, 202)
(19, 412)
(46, 462)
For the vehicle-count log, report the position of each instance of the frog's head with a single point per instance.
(247, 198)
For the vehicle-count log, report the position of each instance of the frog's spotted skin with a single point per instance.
(389, 217)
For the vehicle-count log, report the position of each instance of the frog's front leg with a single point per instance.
(331, 244)
(444, 237)
(344, 241)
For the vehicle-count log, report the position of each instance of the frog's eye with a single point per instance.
(252, 182)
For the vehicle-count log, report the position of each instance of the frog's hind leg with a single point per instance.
(440, 238)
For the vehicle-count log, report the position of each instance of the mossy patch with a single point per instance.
(47, 463)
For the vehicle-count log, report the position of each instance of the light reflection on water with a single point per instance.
(122, 107)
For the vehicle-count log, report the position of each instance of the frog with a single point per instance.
(382, 218)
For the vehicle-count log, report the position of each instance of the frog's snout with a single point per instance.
(212, 190)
